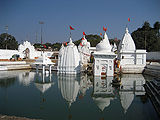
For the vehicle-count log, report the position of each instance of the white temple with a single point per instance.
(131, 60)
(25, 51)
(114, 47)
(103, 64)
(69, 59)
(84, 51)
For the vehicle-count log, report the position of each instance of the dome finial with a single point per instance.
(70, 41)
(105, 35)
(127, 31)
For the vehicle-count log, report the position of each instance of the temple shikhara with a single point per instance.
(131, 60)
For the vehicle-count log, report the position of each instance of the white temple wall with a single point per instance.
(133, 58)
(103, 67)
(7, 54)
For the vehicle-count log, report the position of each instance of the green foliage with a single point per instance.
(93, 39)
(8, 41)
(37, 45)
(112, 41)
(55, 46)
(147, 37)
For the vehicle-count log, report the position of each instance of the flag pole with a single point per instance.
(70, 33)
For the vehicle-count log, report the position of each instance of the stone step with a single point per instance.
(154, 98)
(154, 90)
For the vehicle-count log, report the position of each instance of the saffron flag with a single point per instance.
(81, 44)
(105, 29)
(129, 20)
(84, 33)
(71, 28)
(82, 38)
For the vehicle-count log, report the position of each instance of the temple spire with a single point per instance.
(127, 31)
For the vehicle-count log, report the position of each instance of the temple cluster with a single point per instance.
(73, 60)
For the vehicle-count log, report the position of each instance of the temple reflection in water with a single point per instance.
(104, 92)
(69, 87)
(86, 95)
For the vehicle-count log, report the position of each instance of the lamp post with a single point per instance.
(41, 23)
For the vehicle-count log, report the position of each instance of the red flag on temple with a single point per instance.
(71, 28)
(84, 33)
(105, 29)
(81, 44)
(101, 34)
(128, 19)
(82, 38)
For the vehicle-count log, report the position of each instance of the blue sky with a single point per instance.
(23, 16)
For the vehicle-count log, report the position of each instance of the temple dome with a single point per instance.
(127, 43)
(104, 45)
(69, 59)
(85, 42)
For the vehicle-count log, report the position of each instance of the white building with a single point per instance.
(25, 50)
(84, 51)
(104, 58)
(131, 60)
(69, 59)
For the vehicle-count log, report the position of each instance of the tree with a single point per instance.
(147, 37)
(8, 42)
(93, 39)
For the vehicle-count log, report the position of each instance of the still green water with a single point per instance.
(52, 97)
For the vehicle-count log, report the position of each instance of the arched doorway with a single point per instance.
(27, 53)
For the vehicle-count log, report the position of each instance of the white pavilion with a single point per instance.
(69, 59)
(104, 58)
(131, 60)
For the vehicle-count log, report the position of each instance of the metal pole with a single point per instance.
(145, 39)
(41, 23)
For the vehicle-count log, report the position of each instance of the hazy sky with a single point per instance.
(23, 16)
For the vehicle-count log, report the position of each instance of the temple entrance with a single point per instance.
(27, 53)
(104, 70)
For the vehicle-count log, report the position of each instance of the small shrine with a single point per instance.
(69, 59)
(43, 61)
(84, 51)
(104, 58)
(131, 60)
